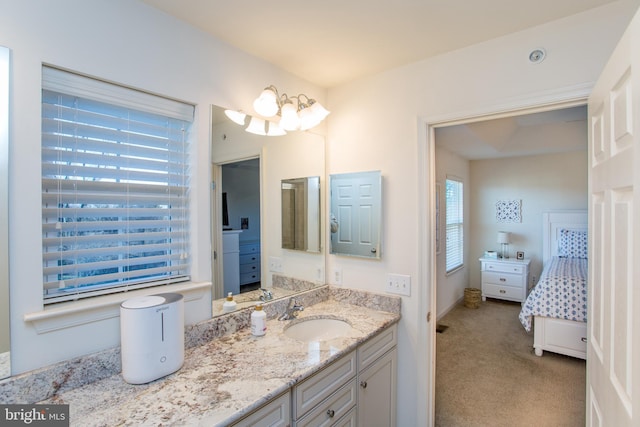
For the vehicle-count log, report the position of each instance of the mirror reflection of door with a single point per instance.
(355, 214)
(241, 229)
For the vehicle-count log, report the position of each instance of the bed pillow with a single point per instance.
(572, 244)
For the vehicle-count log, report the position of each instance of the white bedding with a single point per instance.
(561, 292)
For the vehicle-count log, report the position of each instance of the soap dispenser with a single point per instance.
(229, 305)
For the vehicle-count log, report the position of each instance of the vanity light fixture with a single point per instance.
(296, 112)
(256, 125)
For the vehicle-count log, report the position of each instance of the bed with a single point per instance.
(556, 308)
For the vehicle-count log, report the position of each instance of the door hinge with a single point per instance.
(213, 185)
(429, 317)
(215, 255)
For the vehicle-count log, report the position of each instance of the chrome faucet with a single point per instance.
(266, 295)
(292, 310)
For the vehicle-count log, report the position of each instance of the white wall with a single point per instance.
(132, 44)
(542, 183)
(450, 288)
(376, 123)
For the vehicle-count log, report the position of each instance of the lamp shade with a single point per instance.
(256, 126)
(267, 103)
(503, 236)
(236, 116)
(274, 129)
(289, 119)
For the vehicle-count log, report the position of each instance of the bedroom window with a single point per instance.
(454, 224)
(115, 187)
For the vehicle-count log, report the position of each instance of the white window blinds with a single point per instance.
(454, 224)
(115, 187)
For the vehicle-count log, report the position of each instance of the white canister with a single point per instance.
(151, 336)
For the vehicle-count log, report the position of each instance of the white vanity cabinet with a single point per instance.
(276, 413)
(377, 366)
(358, 389)
(505, 279)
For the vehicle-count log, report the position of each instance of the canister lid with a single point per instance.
(144, 301)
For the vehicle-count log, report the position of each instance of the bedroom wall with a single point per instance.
(542, 183)
(450, 287)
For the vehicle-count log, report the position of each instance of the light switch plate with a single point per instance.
(275, 264)
(399, 284)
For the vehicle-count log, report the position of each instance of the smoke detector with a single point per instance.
(537, 55)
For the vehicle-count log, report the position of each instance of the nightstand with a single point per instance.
(505, 279)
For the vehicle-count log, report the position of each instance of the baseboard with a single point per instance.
(448, 309)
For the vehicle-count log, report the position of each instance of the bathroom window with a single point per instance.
(115, 187)
(454, 224)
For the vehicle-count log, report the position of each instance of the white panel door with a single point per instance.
(355, 210)
(613, 350)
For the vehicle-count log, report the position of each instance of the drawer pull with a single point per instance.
(583, 339)
(363, 384)
(502, 291)
(502, 279)
(331, 413)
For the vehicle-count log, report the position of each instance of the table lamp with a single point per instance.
(503, 239)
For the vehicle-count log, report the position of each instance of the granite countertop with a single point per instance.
(222, 379)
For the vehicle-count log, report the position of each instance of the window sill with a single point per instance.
(455, 270)
(75, 313)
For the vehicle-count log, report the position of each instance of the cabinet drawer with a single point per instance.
(348, 420)
(250, 248)
(377, 346)
(564, 334)
(315, 389)
(331, 409)
(503, 267)
(250, 259)
(502, 279)
(273, 414)
(504, 292)
(249, 278)
(249, 268)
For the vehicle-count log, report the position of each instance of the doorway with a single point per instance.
(570, 98)
(238, 224)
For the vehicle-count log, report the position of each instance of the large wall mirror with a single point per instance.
(5, 365)
(356, 214)
(236, 157)
(301, 214)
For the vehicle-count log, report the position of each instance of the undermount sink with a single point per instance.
(317, 329)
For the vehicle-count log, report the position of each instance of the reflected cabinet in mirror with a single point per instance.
(356, 213)
(5, 368)
(301, 214)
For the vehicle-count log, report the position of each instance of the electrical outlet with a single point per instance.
(336, 276)
(319, 274)
(275, 264)
(399, 284)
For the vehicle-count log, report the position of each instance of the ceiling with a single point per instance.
(525, 135)
(331, 42)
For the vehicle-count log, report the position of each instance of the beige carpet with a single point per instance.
(488, 375)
